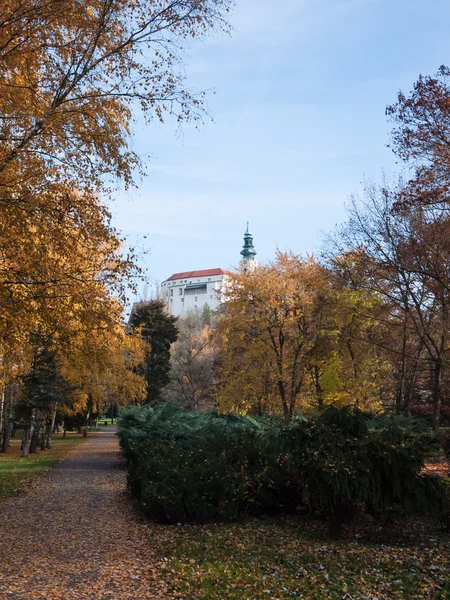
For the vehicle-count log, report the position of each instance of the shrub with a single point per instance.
(184, 466)
(351, 460)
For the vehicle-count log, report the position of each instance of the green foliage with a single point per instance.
(352, 459)
(43, 385)
(186, 466)
(159, 330)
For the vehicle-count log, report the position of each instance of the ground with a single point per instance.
(76, 535)
(293, 558)
(18, 474)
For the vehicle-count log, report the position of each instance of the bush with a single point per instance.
(353, 460)
(184, 466)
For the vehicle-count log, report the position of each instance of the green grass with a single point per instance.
(108, 420)
(289, 558)
(18, 473)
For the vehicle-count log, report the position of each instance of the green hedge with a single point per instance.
(184, 466)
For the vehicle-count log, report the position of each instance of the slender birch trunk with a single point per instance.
(8, 421)
(35, 435)
(50, 428)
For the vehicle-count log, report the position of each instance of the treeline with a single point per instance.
(365, 324)
(73, 76)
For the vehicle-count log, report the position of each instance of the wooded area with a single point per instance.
(300, 395)
(73, 74)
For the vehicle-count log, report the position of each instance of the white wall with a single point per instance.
(181, 299)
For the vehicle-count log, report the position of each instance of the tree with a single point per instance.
(193, 363)
(269, 324)
(43, 389)
(421, 138)
(158, 329)
(72, 72)
(403, 254)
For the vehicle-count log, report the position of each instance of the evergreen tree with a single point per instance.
(43, 389)
(159, 330)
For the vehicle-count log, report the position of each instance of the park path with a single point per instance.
(74, 535)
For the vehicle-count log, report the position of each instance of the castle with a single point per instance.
(188, 292)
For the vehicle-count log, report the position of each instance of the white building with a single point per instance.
(188, 292)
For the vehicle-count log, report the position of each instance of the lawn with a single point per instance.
(107, 420)
(293, 558)
(17, 473)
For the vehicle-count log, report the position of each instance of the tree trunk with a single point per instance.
(42, 442)
(35, 435)
(8, 420)
(437, 395)
(26, 439)
(284, 402)
(50, 428)
(7, 431)
(400, 401)
(319, 390)
(2, 415)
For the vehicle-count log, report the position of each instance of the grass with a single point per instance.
(290, 558)
(17, 473)
(108, 420)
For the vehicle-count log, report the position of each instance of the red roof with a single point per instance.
(187, 274)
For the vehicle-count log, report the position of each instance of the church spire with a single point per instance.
(248, 252)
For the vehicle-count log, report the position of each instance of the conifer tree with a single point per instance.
(159, 330)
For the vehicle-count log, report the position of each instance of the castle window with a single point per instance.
(171, 292)
(181, 291)
(195, 289)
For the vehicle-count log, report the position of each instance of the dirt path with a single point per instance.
(74, 536)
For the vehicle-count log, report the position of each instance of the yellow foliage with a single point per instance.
(294, 338)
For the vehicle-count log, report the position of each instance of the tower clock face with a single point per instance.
(245, 261)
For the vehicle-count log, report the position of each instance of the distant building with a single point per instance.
(188, 292)
(248, 252)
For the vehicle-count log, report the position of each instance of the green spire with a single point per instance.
(248, 252)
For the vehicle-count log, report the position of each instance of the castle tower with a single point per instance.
(248, 252)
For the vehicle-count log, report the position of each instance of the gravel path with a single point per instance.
(74, 535)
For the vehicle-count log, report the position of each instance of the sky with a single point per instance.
(298, 95)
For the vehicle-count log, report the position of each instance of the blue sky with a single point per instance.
(298, 94)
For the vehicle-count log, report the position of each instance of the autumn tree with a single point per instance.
(270, 322)
(193, 363)
(73, 75)
(421, 138)
(403, 255)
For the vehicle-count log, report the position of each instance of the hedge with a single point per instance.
(184, 466)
